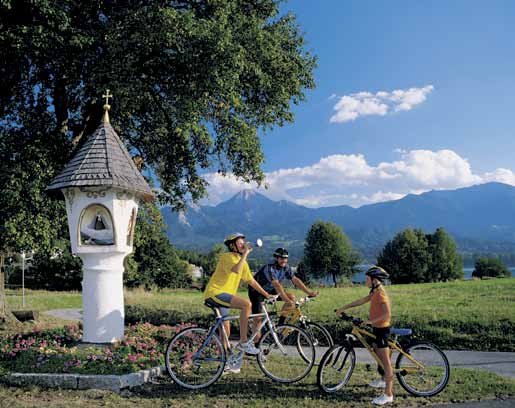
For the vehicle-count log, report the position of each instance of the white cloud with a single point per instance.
(349, 179)
(350, 107)
(501, 175)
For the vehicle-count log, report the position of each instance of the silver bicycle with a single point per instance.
(195, 357)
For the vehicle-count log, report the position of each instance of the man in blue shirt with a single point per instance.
(270, 277)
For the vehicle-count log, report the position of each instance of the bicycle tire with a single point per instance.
(271, 358)
(181, 365)
(336, 368)
(420, 382)
(322, 340)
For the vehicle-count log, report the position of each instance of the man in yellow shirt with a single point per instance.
(223, 285)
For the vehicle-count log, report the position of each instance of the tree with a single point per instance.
(328, 252)
(446, 264)
(56, 270)
(155, 260)
(194, 81)
(406, 257)
(490, 267)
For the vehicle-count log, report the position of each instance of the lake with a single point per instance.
(360, 277)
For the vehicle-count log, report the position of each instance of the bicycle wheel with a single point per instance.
(189, 364)
(428, 374)
(335, 368)
(280, 359)
(322, 340)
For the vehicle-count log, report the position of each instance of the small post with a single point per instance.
(23, 279)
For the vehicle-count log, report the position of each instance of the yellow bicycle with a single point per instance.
(421, 367)
(321, 338)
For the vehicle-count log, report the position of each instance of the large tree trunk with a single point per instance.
(334, 280)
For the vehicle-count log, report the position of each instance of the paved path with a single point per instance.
(66, 314)
(481, 404)
(498, 362)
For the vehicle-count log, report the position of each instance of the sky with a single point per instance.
(410, 97)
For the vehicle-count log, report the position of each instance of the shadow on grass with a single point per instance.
(242, 388)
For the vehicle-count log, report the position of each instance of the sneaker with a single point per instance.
(382, 399)
(231, 370)
(248, 348)
(378, 383)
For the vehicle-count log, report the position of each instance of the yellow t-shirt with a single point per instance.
(224, 280)
(379, 297)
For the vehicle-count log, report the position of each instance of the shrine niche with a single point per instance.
(96, 226)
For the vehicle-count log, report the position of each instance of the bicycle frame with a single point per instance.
(295, 314)
(360, 334)
(219, 324)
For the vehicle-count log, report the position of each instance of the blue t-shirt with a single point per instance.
(270, 272)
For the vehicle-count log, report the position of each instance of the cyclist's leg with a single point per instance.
(383, 352)
(222, 302)
(286, 307)
(256, 299)
(245, 307)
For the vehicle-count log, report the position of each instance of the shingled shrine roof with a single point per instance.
(103, 160)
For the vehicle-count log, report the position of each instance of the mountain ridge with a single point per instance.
(483, 213)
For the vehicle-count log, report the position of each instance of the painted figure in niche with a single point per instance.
(96, 226)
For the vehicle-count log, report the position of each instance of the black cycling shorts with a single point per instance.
(256, 298)
(382, 334)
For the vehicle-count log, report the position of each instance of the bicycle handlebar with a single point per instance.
(271, 300)
(356, 321)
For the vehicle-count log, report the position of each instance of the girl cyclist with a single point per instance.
(379, 317)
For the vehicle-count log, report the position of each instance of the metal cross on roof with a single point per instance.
(107, 95)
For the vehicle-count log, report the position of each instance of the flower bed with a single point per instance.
(59, 351)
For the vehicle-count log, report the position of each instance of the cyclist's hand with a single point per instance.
(339, 312)
(313, 294)
(248, 248)
(269, 296)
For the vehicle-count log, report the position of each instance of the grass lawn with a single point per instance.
(463, 300)
(449, 311)
(252, 389)
(466, 302)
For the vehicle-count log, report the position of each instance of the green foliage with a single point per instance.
(412, 256)
(193, 81)
(490, 267)
(446, 264)
(328, 252)
(155, 260)
(56, 270)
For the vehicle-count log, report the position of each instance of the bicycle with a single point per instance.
(195, 357)
(321, 337)
(421, 367)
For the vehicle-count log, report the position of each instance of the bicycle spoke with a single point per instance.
(194, 361)
(335, 369)
(281, 358)
(428, 374)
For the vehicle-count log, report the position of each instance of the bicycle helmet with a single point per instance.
(377, 272)
(232, 237)
(281, 253)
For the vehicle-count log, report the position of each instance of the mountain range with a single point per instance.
(481, 218)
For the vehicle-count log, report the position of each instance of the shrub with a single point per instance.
(491, 267)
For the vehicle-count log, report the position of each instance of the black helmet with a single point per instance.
(281, 253)
(377, 272)
(233, 237)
